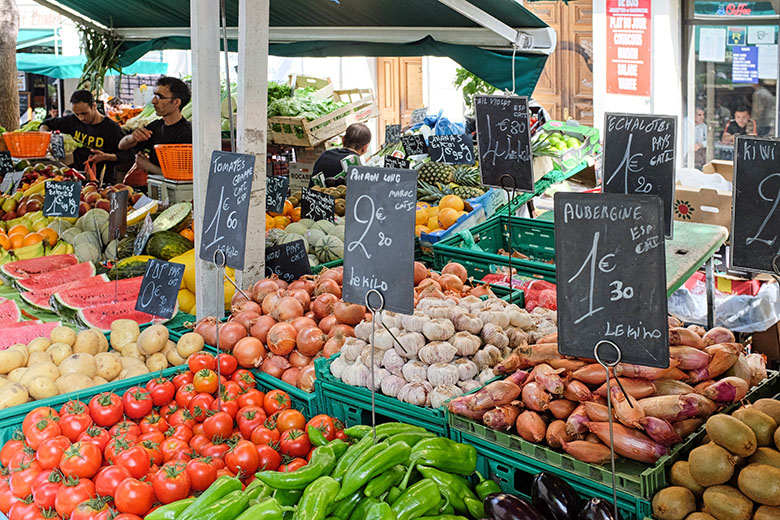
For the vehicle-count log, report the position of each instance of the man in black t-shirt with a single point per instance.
(355, 142)
(740, 125)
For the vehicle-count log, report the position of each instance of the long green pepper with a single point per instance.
(362, 508)
(219, 489)
(352, 453)
(363, 471)
(380, 511)
(229, 507)
(322, 463)
(485, 486)
(419, 499)
(343, 508)
(443, 454)
(170, 511)
(288, 497)
(316, 497)
(454, 487)
(268, 509)
(377, 486)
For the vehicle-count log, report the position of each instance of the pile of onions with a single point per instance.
(453, 283)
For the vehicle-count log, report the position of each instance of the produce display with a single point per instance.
(443, 216)
(324, 240)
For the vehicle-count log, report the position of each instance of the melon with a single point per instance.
(326, 226)
(175, 218)
(338, 232)
(329, 249)
(306, 222)
(57, 277)
(9, 312)
(102, 316)
(33, 266)
(92, 220)
(292, 237)
(313, 260)
(69, 235)
(70, 300)
(273, 237)
(295, 227)
(40, 299)
(25, 332)
(313, 236)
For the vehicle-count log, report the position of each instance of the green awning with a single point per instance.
(35, 38)
(66, 67)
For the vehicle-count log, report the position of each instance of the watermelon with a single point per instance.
(40, 299)
(102, 316)
(25, 332)
(70, 300)
(9, 312)
(58, 277)
(32, 266)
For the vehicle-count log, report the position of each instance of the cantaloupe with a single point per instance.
(329, 248)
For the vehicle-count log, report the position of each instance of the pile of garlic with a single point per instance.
(445, 349)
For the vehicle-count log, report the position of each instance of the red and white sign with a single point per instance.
(629, 47)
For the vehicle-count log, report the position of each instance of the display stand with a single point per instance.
(509, 185)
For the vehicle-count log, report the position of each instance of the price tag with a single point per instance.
(392, 134)
(602, 293)
(117, 216)
(379, 236)
(317, 205)
(414, 144)
(276, 193)
(396, 162)
(287, 261)
(227, 207)
(11, 182)
(755, 223)
(57, 145)
(418, 116)
(6, 163)
(62, 199)
(160, 288)
(639, 158)
(299, 176)
(143, 236)
(504, 140)
(451, 149)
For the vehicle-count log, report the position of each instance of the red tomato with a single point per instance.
(243, 458)
(74, 424)
(153, 421)
(108, 478)
(42, 412)
(182, 379)
(73, 407)
(201, 360)
(197, 429)
(161, 390)
(265, 435)
(21, 480)
(50, 451)
(44, 477)
(7, 498)
(82, 459)
(137, 402)
(134, 496)
(226, 404)
(218, 425)
(94, 509)
(290, 419)
(106, 409)
(294, 443)
(199, 406)
(323, 423)
(154, 436)
(180, 431)
(38, 432)
(127, 516)
(72, 494)
(184, 395)
(268, 458)
(227, 364)
(126, 428)
(182, 416)
(276, 401)
(249, 418)
(21, 459)
(45, 494)
(205, 381)
(153, 449)
(244, 378)
(341, 435)
(251, 397)
(198, 441)
(136, 459)
(292, 465)
(232, 389)
(114, 447)
(97, 436)
(172, 482)
(22, 510)
(11, 448)
(171, 446)
(225, 471)
(215, 451)
(168, 410)
(201, 473)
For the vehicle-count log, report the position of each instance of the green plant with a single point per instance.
(102, 52)
(471, 85)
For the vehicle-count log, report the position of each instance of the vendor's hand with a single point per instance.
(141, 134)
(100, 156)
(143, 161)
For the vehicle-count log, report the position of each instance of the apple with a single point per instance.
(103, 204)
(9, 216)
(83, 208)
(9, 205)
(21, 209)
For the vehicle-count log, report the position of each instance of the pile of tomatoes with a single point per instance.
(116, 457)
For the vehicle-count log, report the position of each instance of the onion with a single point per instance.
(323, 305)
(229, 334)
(310, 314)
(249, 352)
(336, 274)
(420, 272)
(303, 322)
(333, 345)
(349, 313)
(435, 275)
(245, 318)
(310, 341)
(290, 376)
(456, 269)
(302, 296)
(298, 360)
(270, 301)
(239, 298)
(261, 326)
(327, 323)
(328, 286)
(451, 282)
(281, 338)
(275, 365)
(368, 317)
(306, 378)
(246, 305)
(341, 330)
(263, 288)
(207, 327)
(303, 283)
(429, 282)
(286, 309)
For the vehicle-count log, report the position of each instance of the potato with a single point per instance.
(79, 364)
(11, 359)
(38, 345)
(174, 359)
(129, 361)
(4, 382)
(86, 342)
(39, 357)
(124, 332)
(63, 335)
(157, 362)
(99, 381)
(103, 347)
(131, 350)
(152, 340)
(189, 344)
(169, 345)
(58, 352)
(108, 365)
(15, 376)
(48, 370)
(42, 387)
(133, 371)
(13, 395)
(21, 347)
(73, 383)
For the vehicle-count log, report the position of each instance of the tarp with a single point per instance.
(66, 67)
(35, 38)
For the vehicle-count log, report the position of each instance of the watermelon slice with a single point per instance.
(40, 299)
(71, 300)
(9, 313)
(58, 277)
(101, 317)
(32, 266)
(25, 332)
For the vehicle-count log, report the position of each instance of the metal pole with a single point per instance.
(374, 313)
(607, 366)
(511, 196)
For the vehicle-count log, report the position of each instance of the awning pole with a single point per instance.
(490, 22)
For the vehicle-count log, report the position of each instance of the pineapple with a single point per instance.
(433, 172)
(467, 192)
(466, 175)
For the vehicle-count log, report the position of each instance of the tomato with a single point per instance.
(136, 459)
(341, 435)
(161, 390)
(290, 419)
(182, 416)
(268, 458)
(128, 428)
(137, 402)
(242, 458)
(265, 435)
(12, 447)
(43, 477)
(201, 473)
(276, 401)
(169, 409)
(171, 482)
(171, 446)
(232, 389)
(323, 423)
(73, 407)
(108, 478)
(115, 446)
(38, 432)
(205, 380)
(127, 516)
(106, 409)
(215, 451)
(45, 494)
(94, 509)
(197, 429)
(219, 425)
(184, 395)
(225, 471)
(72, 494)
(227, 364)
(50, 451)
(251, 397)
(42, 412)
(21, 479)
(82, 459)
(21, 458)
(153, 449)
(226, 404)
(201, 360)
(182, 379)
(244, 378)
(7, 498)
(97, 436)
(199, 406)
(249, 418)
(22, 510)
(153, 421)
(153, 436)
(134, 496)
(180, 431)
(292, 465)
(74, 424)
(294, 443)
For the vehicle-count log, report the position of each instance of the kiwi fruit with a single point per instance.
(731, 433)
(711, 465)
(762, 424)
(768, 456)
(673, 503)
(700, 516)
(771, 407)
(727, 503)
(680, 475)
(761, 484)
(767, 513)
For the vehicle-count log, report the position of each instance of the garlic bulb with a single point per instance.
(416, 393)
(494, 335)
(365, 356)
(467, 369)
(517, 336)
(352, 348)
(547, 327)
(338, 366)
(438, 329)
(498, 318)
(519, 317)
(534, 336)
(443, 374)
(443, 393)
(390, 319)
(470, 303)
(469, 385)
(414, 371)
(444, 312)
(494, 304)
(466, 343)
(393, 362)
(467, 322)
(427, 303)
(410, 344)
(495, 354)
(392, 384)
(363, 330)
(382, 339)
(356, 374)
(487, 357)
(415, 322)
(380, 374)
(486, 375)
(437, 352)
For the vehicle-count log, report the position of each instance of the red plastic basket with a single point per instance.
(27, 144)
(175, 161)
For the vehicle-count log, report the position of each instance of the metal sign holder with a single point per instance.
(510, 193)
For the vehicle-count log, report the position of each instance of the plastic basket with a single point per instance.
(307, 402)
(27, 144)
(175, 161)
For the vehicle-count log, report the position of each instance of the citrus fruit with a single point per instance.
(295, 214)
(281, 221)
(19, 228)
(49, 235)
(420, 229)
(451, 201)
(32, 238)
(433, 223)
(447, 217)
(17, 240)
(421, 217)
(269, 222)
(5, 242)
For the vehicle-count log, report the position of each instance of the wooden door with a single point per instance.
(399, 90)
(411, 87)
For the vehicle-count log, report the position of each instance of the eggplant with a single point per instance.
(598, 509)
(554, 498)
(502, 506)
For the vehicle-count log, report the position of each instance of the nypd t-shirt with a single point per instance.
(104, 136)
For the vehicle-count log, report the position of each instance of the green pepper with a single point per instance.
(485, 486)
(443, 454)
(410, 438)
(393, 494)
(380, 511)
(268, 509)
(394, 428)
(361, 510)
(417, 500)
(343, 508)
(361, 471)
(475, 507)
(257, 490)
(288, 497)
(385, 481)
(443, 517)
(351, 455)
(316, 438)
(454, 487)
(227, 508)
(220, 488)
(338, 446)
(316, 497)
(357, 432)
(322, 463)
(170, 511)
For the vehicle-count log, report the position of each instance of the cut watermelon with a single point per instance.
(71, 300)
(58, 277)
(25, 332)
(33, 266)
(40, 299)
(9, 313)
(102, 316)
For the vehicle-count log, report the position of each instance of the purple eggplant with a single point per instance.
(502, 506)
(598, 509)
(555, 498)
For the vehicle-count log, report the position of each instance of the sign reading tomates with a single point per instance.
(628, 47)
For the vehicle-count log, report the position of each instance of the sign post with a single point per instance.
(287, 261)
(451, 149)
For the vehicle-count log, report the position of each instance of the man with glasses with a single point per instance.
(170, 96)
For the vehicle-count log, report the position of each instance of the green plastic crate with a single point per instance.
(306, 402)
(330, 265)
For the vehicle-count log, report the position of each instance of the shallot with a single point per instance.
(629, 443)
(501, 418)
(530, 426)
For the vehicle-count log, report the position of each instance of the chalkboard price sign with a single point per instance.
(639, 158)
(396, 162)
(6, 163)
(317, 205)
(451, 149)
(227, 208)
(57, 145)
(504, 140)
(160, 288)
(392, 134)
(414, 144)
(612, 279)
(379, 236)
(276, 193)
(287, 261)
(11, 182)
(418, 115)
(755, 222)
(62, 199)
(117, 216)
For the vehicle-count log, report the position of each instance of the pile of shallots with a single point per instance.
(562, 401)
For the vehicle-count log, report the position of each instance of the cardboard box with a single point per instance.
(706, 205)
(768, 343)
(726, 284)
(724, 168)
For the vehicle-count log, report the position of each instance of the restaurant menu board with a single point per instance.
(57, 145)
(392, 134)
(602, 295)
(451, 149)
(396, 162)
(6, 163)
(317, 205)
(755, 221)
(159, 290)
(379, 236)
(414, 144)
(276, 193)
(117, 216)
(504, 141)
(62, 199)
(287, 261)
(639, 158)
(226, 210)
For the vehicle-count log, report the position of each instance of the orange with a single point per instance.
(421, 217)
(451, 201)
(19, 228)
(5, 242)
(420, 229)
(447, 217)
(288, 207)
(433, 223)
(49, 235)
(281, 222)
(295, 215)
(17, 240)
(32, 238)
(269, 222)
